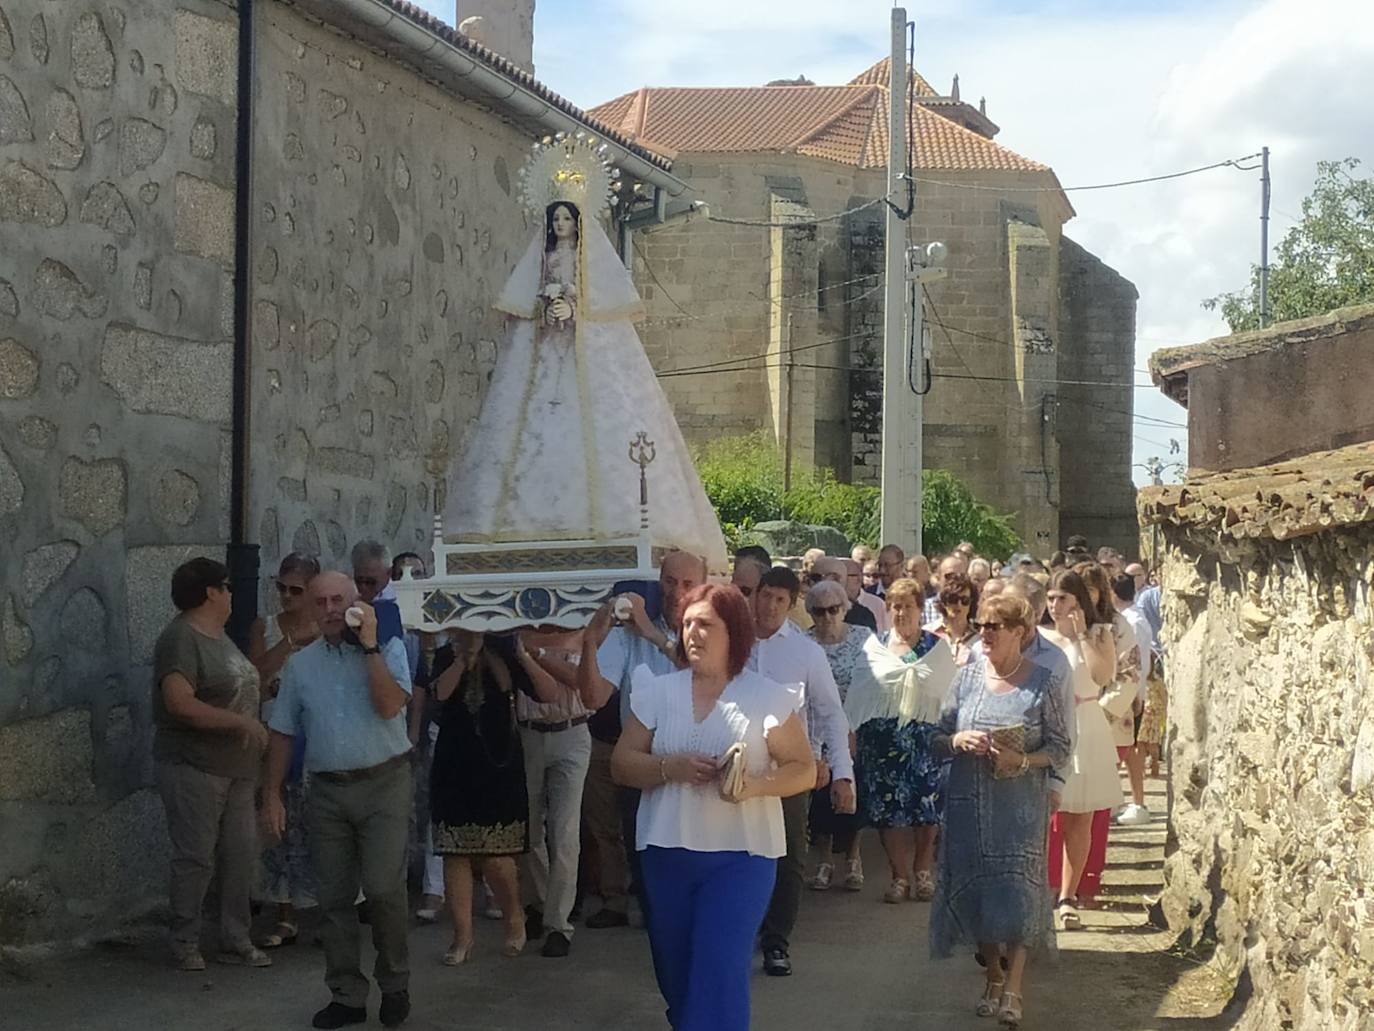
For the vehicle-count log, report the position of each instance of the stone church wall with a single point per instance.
(117, 126)
(1272, 765)
(1093, 423)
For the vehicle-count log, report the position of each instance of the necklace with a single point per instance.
(1006, 678)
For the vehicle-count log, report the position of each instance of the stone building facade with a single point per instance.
(1032, 337)
(383, 222)
(1268, 628)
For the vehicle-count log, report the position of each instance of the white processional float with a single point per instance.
(575, 476)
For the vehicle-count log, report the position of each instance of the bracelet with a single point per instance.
(663, 769)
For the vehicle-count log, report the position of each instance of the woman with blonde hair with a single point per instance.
(892, 705)
(1005, 726)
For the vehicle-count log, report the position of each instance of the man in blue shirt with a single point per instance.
(348, 695)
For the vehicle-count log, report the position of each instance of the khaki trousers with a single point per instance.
(601, 822)
(358, 837)
(209, 817)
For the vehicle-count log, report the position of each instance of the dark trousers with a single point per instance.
(629, 817)
(705, 907)
(840, 827)
(358, 838)
(787, 892)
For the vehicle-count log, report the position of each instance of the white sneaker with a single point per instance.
(1133, 816)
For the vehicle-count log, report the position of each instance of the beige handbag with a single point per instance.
(731, 766)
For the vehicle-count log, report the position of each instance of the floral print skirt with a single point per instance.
(901, 782)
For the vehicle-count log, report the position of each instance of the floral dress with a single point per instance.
(901, 781)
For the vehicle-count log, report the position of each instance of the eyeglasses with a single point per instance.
(963, 599)
(828, 610)
(295, 590)
(980, 627)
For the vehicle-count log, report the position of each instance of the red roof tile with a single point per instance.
(847, 124)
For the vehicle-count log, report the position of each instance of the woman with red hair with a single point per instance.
(713, 748)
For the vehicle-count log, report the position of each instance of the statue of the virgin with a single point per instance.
(549, 458)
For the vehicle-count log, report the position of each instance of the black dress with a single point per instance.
(478, 801)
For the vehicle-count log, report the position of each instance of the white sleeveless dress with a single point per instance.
(1093, 782)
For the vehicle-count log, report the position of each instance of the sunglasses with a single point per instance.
(295, 590)
(828, 610)
(987, 626)
(963, 599)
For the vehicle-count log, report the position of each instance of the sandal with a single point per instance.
(457, 955)
(989, 1004)
(285, 934)
(1009, 1012)
(896, 891)
(512, 947)
(1069, 920)
(923, 888)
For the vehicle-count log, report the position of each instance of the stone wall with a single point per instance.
(1272, 767)
(386, 224)
(1093, 423)
(116, 202)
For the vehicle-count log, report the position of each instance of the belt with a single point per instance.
(545, 727)
(349, 776)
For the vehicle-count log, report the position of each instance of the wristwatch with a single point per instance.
(376, 649)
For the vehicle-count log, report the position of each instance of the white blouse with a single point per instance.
(693, 816)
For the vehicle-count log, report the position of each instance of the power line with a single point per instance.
(796, 223)
(1229, 163)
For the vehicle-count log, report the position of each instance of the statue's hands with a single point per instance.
(559, 310)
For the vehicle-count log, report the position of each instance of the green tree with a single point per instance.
(743, 478)
(1325, 261)
(950, 514)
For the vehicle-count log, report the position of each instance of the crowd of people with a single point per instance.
(678, 763)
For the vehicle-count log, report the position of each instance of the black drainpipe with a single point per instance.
(241, 556)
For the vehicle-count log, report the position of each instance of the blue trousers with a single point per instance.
(704, 911)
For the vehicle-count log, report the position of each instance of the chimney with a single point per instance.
(954, 90)
(504, 26)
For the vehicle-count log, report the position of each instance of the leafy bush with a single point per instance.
(743, 478)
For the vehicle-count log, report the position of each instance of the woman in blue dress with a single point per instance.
(1005, 723)
(893, 704)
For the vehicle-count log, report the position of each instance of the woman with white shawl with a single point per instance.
(893, 705)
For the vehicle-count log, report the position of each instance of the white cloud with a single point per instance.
(1100, 91)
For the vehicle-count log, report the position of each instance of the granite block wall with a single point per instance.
(116, 202)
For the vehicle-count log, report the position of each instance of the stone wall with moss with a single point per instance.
(116, 215)
(1271, 711)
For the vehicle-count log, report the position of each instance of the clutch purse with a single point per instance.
(1011, 738)
(731, 766)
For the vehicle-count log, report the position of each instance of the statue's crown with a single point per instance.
(571, 167)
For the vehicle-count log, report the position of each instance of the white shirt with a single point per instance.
(623, 652)
(790, 657)
(694, 816)
(1145, 638)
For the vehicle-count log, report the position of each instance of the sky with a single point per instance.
(1101, 90)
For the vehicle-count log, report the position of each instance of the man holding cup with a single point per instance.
(348, 695)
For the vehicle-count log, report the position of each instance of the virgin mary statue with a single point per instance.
(550, 458)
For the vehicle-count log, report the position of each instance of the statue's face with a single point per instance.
(564, 225)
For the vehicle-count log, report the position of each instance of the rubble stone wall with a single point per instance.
(1271, 715)
(117, 125)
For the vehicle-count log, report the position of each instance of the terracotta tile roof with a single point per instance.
(435, 26)
(881, 75)
(1297, 498)
(847, 124)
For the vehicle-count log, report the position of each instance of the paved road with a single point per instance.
(860, 966)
